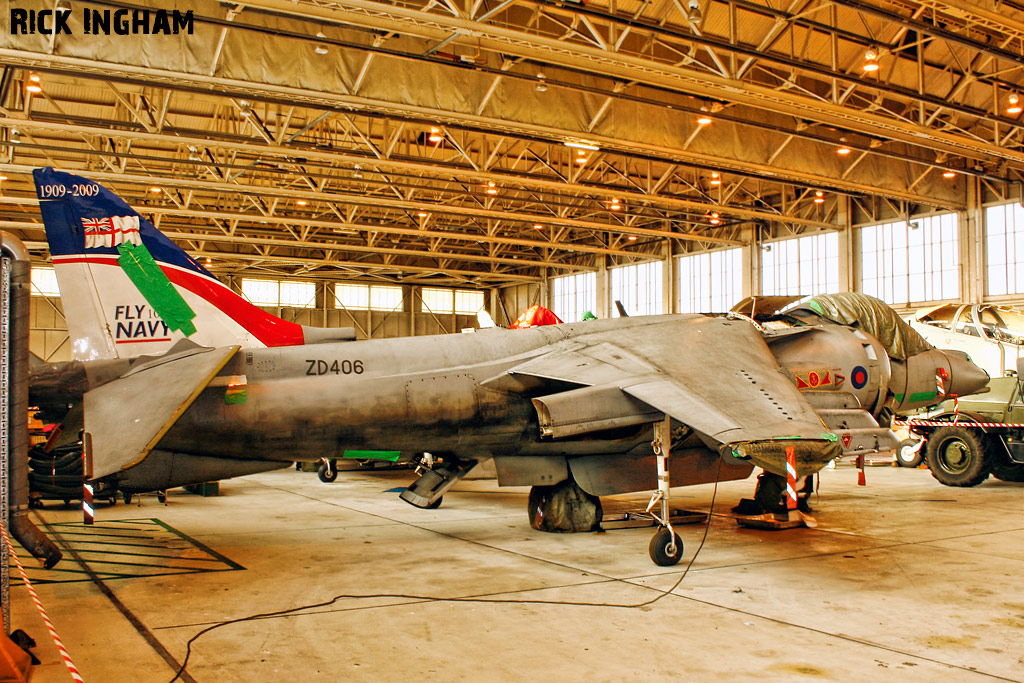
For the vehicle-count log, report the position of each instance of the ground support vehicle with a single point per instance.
(971, 438)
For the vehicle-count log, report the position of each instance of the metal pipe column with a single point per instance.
(21, 527)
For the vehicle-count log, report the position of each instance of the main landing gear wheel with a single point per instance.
(666, 548)
(564, 507)
(958, 456)
(436, 504)
(326, 473)
(906, 456)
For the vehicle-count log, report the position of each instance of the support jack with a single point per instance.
(791, 519)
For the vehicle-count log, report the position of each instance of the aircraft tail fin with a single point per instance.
(128, 289)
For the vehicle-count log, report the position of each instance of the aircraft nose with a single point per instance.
(965, 377)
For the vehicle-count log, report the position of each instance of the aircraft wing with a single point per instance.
(127, 417)
(713, 374)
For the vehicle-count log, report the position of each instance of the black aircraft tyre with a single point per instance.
(326, 474)
(958, 456)
(905, 455)
(659, 548)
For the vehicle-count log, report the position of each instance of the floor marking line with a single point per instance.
(122, 608)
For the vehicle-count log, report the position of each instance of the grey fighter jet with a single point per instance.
(576, 411)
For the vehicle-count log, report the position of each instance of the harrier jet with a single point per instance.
(576, 411)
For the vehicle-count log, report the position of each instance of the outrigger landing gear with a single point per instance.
(666, 547)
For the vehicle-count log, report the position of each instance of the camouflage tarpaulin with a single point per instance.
(874, 317)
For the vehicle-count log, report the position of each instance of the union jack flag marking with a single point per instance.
(110, 232)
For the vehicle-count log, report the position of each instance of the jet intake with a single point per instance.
(590, 409)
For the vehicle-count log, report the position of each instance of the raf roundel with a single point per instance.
(859, 377)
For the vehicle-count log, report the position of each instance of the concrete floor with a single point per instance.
(904, 579)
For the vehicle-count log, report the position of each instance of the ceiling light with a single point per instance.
(491, 187)
(301, 202)
(581, 156)
(320, 49)
(714, 218)
(209, 260)
(34, 77)
(615, 204)
(245, 107)
(154, 189)
(843, 150)
(34, 88)
(435, 136)
(581, 144)
(716, 178)
(949, 173)
(1014, 104)
(693, 13)
(538, 226)
(3, 178)
(542, 86)
(870, 60)
(819, 197)
(632, 238)
(704, 120)
(422, 214)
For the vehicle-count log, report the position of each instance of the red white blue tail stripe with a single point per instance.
(107, 316)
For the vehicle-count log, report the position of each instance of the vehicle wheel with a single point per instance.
(161, 496)
(436, 504)
(906, 456)
(126, 497)
(327, 475)
(958, 456)
(660, 545)
(1005, 469)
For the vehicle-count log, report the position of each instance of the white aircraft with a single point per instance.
(993, 336)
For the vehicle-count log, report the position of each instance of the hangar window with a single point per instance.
(44, 282)
(279, 293)
(1004, 249)
(357, 296)
(464, 301)
(804, 265)
(574, 295)
(905, 263)
(710, 282)
(639, 288)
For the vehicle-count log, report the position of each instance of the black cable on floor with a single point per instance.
(427, 598)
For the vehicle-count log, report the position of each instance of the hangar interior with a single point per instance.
(502, 147)
(398, 166)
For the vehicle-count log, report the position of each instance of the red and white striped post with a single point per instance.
(87, 510)
(790, 479)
